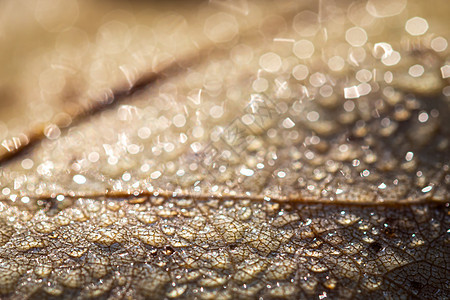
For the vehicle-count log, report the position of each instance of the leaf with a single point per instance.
(228, 175)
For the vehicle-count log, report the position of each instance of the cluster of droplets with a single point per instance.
(166, 247)
(316, 118)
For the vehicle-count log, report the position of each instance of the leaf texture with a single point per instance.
(235, 150)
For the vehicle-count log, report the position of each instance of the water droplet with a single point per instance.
(80, 179)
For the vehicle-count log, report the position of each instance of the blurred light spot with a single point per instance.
(260, 85)
(382, 50)
(127, 112)
(144, 132)
(416, 70)
(288, 123)
(356, 55)
(179, 120)
(349, 105)
(364, 89)
(112, 160)
(52, 132)
(247, 172)
(303, 49)
(363, 75)
(445, 71)
(300, 72)
(145, 168)
(317, 79)
(391, 59)
(416, 26)
(326, 91)
(216, 111)
(446, 91)
(126, 176)
(439, 44)
(423, 117)
(281, 174)
(198, 131)
(93, 157)
(169, 147)
(241, 54)
(356, 36)
(155, 175)
(313, 116)
(382, 186)
(315, 140)
(336, 63)
(409, 156)
(80, 179)
(306, 23)
(351, 92)
(221, 27)
(270, 62)
(385, 8)
(6, 191)
(248, 119)
(133, 149)
(365, 173)
(343, 148)
(427, 189)
(27, 163)
(388, 77)
(196, 146)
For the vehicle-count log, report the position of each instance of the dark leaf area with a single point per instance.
(228, 150)
(182, 247)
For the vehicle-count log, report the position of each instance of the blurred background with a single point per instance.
(56, 55)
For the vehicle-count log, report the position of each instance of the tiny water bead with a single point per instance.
(79, 179)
